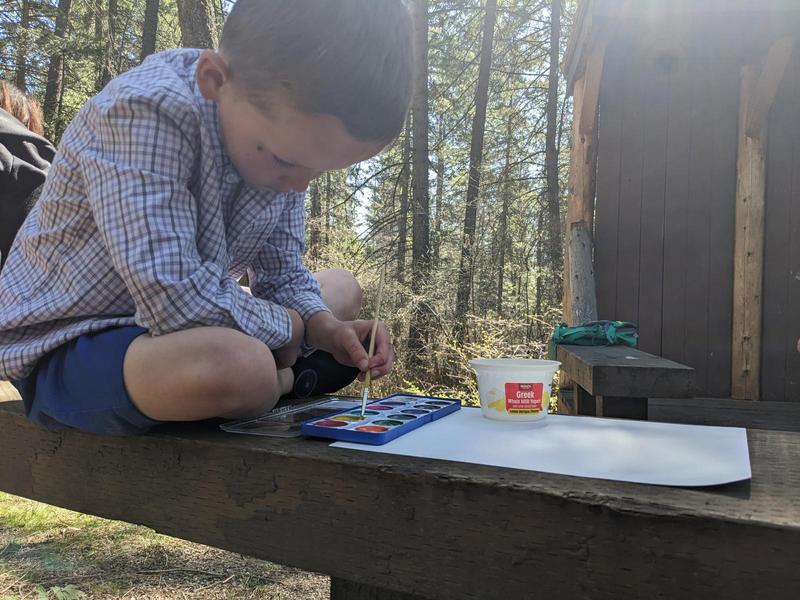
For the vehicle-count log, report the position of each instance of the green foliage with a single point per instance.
(357, 224)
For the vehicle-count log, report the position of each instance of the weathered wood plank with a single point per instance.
(651, 273)
(630, 190)
(766, 87)
(591, 85)
(608, 162)
(783, 165)
(724, 78)
(698, 214)
(749, 251)
(583, 170)
(341, 589)
(441, 529)
(790, 334)
(726, 412)
(624, 371)
(679, 134)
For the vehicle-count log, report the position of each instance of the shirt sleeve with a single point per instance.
(278, 273)
(136, 175)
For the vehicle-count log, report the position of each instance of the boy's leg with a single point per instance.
(340, 292)
(217, 372)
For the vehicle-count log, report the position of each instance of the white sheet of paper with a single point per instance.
(617, 449)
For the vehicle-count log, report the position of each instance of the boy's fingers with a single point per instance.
(355, 350)
(381, 362)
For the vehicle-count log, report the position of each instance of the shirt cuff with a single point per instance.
(277, 329)
(307, 304)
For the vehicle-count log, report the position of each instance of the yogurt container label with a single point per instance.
(524, 397)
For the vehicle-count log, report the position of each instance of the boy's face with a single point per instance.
(284, 149)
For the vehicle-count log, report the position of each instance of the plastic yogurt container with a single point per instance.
(514, 389)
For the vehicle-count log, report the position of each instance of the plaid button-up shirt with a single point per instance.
(143, 220)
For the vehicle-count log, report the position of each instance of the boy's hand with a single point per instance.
(348, 341)
(286, 355)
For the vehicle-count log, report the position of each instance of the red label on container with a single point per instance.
(524, 397)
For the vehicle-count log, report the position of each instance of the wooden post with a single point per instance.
(583, 159)
(583, 298)
(582, 166)
(757, 92)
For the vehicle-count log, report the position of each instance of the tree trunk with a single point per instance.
(328, 211)
(198, 23)
(554, 253)
(315, 235)
(420, 242)
(539, 259)
(149, 29)
(503, 228)
(104, 30)
(55, 79)
(475, 160)
(23, 34)
(437, 221)
(402, 223)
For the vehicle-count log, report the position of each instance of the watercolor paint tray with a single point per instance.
(285, 420)
(385, 419)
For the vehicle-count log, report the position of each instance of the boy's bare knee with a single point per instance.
(341, 292)
(200, 373)
(239, 371)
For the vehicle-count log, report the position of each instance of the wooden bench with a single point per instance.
(399, 528)
(616, 381)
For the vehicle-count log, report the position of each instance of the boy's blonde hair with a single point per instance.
(351, 59)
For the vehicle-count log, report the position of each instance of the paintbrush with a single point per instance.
(365, 391)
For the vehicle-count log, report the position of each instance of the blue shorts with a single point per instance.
(80, 385)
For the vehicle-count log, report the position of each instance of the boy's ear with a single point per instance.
(211, 74)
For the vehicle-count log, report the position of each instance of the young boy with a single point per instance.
(119, 302)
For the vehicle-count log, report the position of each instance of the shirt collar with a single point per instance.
(210, 115)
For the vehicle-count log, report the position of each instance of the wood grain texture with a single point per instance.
(749, 252)
(624, 371)
(766, 87)
(582, 177)
(724, 77)
(656, 81)
(438, 529)
(676, 199)
(591, 86)
(341, 589)
(780, 361)
(606, 230)
(726, 412)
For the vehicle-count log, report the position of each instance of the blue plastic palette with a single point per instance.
(384, 419)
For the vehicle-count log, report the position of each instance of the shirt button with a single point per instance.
(231, 178)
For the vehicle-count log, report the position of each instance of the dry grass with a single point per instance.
(48, 552)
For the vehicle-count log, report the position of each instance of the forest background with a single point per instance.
(464, 211)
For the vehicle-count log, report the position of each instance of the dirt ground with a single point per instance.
(51, 553)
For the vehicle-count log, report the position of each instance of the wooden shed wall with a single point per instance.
(780, 361)
(665, 206)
